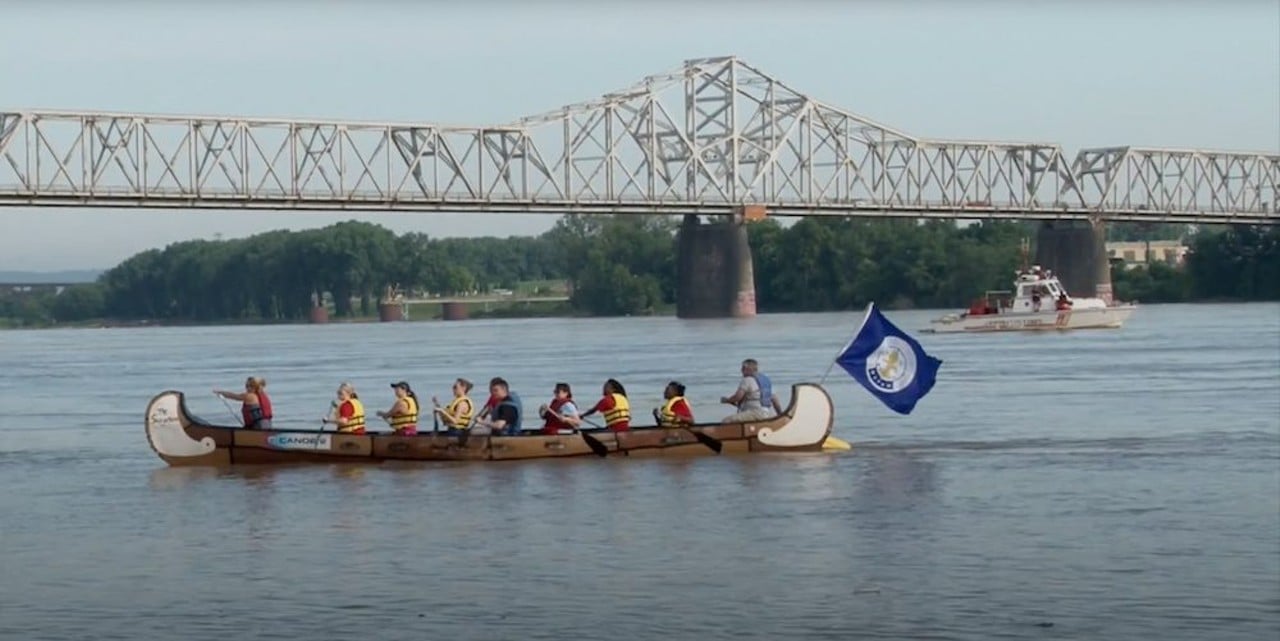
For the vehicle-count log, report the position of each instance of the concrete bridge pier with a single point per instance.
(1077, 253)
(714, 277)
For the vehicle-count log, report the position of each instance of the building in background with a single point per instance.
(1132, 254)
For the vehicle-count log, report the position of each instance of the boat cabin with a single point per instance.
(1035, 290)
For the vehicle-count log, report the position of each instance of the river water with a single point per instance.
(1117, 484)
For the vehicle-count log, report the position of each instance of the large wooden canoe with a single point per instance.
(183, 439)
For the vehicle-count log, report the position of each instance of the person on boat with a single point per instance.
(754, 397)
(505, 417)
(1063, 303)
(675, 412)
(348, 411)
(492, 403)
(403, 415)
(456, 416)
(255, 405)
(614, 405)
(1035, 301)
(560, 413)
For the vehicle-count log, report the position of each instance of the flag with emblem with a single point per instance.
(889, 363)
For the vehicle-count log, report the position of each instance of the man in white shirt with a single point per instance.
(754, 397)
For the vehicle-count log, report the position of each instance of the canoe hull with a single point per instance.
(181, 439)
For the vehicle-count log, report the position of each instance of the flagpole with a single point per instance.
(846, 345)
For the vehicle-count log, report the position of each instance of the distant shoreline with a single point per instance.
(373, 319)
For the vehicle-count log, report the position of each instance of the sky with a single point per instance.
(1185, 74)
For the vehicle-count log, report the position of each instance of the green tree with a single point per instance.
(78, 303)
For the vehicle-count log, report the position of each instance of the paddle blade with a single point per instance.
(596, 446)
(713, 443)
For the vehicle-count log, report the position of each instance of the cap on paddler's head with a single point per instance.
(401, 384)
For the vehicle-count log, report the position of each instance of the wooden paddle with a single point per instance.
(592, 442)
(229, 410)
(709, 441)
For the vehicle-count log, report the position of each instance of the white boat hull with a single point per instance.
(1088, 318)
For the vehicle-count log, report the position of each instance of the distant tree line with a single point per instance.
(616, 265)
(1237, 263)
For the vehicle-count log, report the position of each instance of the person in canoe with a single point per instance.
(255, 406)
(754, 397)
(456, 416)
(560, 413)
(403, 415)
(614, 405)
(505, 417)
(675, 412)
(348, 411)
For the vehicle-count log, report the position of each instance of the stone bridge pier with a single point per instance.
(1076, 251)
(714, 277)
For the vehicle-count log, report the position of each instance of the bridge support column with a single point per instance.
(453, 311)
(714, 277)
(1077, 254)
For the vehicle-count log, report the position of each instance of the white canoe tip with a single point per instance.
(810, 419)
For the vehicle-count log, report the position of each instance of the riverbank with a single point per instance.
(417, 312)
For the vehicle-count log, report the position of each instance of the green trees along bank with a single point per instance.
(616, 265)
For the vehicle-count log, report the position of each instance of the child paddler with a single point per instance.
(348, 414)
(456, 416)
(403, 415)
(675, 411)
(614, 405)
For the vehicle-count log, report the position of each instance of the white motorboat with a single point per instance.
(1038, 302)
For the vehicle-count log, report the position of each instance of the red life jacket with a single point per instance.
(553, 424)
(265, 403)
(252, 414)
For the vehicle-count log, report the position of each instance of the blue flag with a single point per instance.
(889, 363)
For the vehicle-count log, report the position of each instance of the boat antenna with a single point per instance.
(1025, 249)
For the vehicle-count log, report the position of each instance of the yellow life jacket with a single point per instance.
(668, 413)
(356, 421)
(402, 421)
(464, 420)
(621, 412)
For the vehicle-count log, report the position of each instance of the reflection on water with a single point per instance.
(1143, 505)
(895, 479)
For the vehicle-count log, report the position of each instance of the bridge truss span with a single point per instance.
(710, 137)
(1135, 179)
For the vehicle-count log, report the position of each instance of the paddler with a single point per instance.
(506, 410)
(675, 412)
(560, 413)
(456, 416)
(348, 412)
(492, 402)
(754, 397)
(255, 406)
(614, 405)
(403, 415)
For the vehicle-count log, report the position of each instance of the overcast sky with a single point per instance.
(1080, 73)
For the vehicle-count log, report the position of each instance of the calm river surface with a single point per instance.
(1092, 485)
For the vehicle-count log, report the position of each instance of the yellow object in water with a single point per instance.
(833, 443)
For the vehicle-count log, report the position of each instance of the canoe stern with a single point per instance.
(805, 424)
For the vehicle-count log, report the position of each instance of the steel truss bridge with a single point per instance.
(711, 137)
